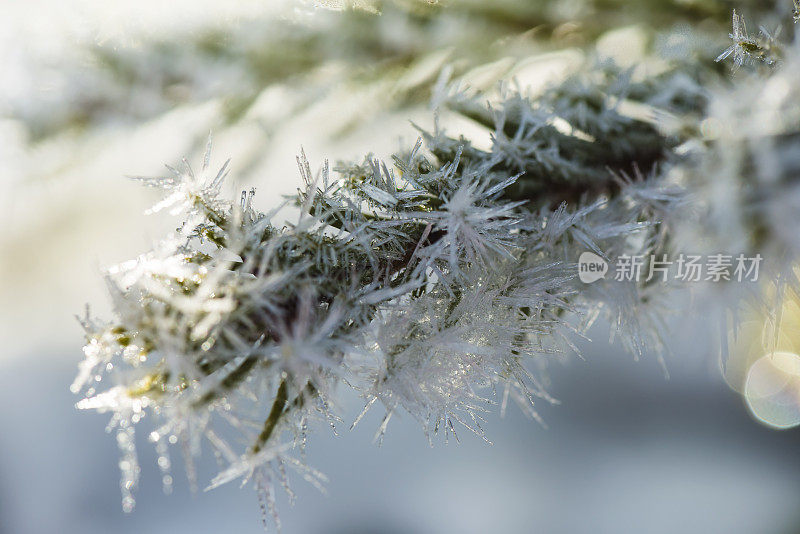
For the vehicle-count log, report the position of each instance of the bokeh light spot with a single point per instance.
(772, 390)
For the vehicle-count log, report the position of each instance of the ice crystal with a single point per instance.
(746, 48)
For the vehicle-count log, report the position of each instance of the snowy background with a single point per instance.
(94, 91)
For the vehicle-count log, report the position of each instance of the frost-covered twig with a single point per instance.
(430, 285)
(419, 286)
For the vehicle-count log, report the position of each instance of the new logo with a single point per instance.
(591, 267)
